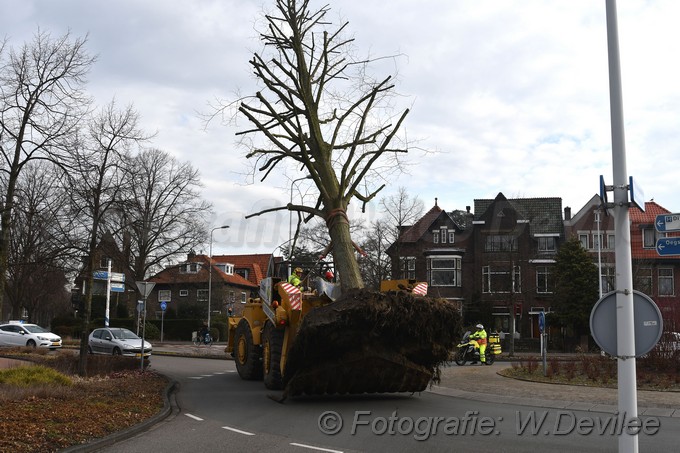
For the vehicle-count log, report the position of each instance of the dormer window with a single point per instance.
(189, 268)
(226, 268)
(444, 235)
(435, 237)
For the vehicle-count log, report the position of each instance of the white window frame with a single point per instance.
(443, 234)
(584, 239)
(488, 273)
(164, 295)
(407, 267)
(435, 237)
(183, 292)
(244, 297)
(452, 236)
(546, 244)
(455, 270)
(648, 238)
(666, 279)
(543, 280)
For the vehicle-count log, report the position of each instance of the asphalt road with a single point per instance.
(217, 411)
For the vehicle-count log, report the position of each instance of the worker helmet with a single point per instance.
(479, 327)
(298, 270)
(329, 275)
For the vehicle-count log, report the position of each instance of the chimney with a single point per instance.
(567, 213)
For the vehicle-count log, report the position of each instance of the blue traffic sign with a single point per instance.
(164, 305)
(667, 222)
(668, 246)
(541, 322)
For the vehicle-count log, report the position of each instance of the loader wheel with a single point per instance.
(248, 357)
(272, 346)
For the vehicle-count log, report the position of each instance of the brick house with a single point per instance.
(653, 274)
(230, 282)
(493, 263)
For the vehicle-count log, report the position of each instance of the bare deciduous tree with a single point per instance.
(41, 104)
(163, 211)
(320, 112)
(95, 182)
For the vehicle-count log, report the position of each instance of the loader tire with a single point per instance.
(248, 356)
(272, 347)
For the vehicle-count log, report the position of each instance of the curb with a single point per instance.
(169, 405)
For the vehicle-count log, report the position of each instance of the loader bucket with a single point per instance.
(370, 342)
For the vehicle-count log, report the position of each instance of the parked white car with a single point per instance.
(17, 333)
(117, 341)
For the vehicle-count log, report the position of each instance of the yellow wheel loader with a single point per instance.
(321, 342)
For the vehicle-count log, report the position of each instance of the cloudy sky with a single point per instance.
(505, 96)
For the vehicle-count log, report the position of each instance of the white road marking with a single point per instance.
(195, 377)
(238, 431)
(194, 417)
(315, 448)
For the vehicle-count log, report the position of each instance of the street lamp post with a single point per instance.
(210, 269)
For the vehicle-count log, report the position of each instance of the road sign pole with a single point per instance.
(627, 386)
(108, 294)
(145, 289)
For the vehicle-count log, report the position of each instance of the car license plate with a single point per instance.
(55, 343)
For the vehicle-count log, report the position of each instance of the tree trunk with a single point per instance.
(344, 254)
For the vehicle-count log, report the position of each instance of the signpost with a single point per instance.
(668, 246)
(544, 341)
(164, 306)
(667, 222)
(145, 289)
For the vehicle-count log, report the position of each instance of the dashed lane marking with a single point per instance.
(194, 417)
(311, 447)
(246, 433)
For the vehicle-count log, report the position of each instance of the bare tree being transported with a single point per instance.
(319, 113)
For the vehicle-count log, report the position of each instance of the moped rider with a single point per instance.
(479, 337)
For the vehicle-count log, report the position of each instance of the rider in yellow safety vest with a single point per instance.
(480, 337)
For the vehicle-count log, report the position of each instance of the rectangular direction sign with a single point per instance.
(117, 287)
(668, 246)
(667, 222)
(115, 276)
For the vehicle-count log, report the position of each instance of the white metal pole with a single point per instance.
(625, 340)
(599, 251)
(210, 270)
(108, 294)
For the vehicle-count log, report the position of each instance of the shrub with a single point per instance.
(28, 376)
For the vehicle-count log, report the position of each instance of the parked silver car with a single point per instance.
(117, 341)
(17, 333)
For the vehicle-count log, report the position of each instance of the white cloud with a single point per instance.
(511, 96)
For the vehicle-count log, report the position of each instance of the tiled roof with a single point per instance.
(172, 274)
(639, 218)
(544, 214)
(257, 264)
(416, 231)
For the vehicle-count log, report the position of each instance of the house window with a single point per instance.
(244, 297)
(610, 241)
(608, 276)
(443, 235)
(104, 262)
(189, 268)
(583, 238)
(643, 280)
(183, 292)
(666, 287)
(408, 267)
(164, 295)
(597, 242)
(501, 279)
(202, 295)
(445, 271)
(451, 237)
(500, 243)
(543, 283)
(226, 268)
(242, 272)
(435, 237)
(546, 244)
(648, 238)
